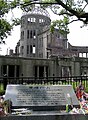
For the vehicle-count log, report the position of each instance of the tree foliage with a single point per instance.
(61, 25)
(71, 10)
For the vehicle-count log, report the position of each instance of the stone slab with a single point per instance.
(41, 97)
(48, 117)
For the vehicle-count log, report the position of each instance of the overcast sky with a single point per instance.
(77, 37)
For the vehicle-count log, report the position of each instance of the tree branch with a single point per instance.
(77, 14)
(68, 8)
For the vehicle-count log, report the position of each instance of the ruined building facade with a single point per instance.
(41, 53)
(37, 41)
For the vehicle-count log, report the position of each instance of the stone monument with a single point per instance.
(41, 97)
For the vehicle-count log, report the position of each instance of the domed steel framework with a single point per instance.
(38, 10)
(32, 24)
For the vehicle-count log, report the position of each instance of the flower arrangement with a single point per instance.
(5, 107)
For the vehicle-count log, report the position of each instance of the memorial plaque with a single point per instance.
(42, 96)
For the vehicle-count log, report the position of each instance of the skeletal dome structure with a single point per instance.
(32, 23)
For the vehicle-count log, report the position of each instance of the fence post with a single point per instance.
(5, 81)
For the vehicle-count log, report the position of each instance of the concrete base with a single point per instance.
(46, 116)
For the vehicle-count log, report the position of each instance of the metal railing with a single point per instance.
(73, 80)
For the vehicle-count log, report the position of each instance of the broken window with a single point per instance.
(34, 34)
(31, 20)
(34, 49)
(27, 49)
(41, 71)
(27, 34)
(30, 48)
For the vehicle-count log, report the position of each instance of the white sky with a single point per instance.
(77, 37)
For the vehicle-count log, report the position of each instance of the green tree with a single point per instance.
(71, 10)
(5, 25)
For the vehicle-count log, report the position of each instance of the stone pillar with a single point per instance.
(15, 71)
(44, 71)
(38, 71)
(7, 70)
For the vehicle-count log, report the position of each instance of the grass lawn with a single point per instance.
(2, 91)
